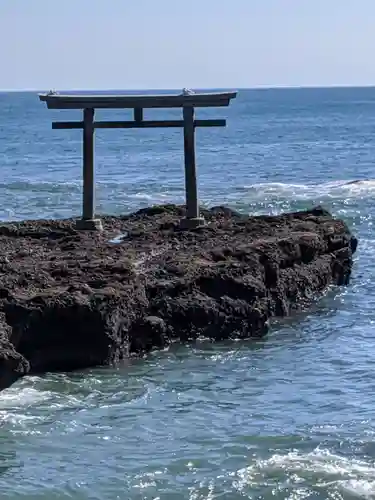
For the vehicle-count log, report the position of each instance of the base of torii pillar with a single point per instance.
(89, 225)
(192, 223)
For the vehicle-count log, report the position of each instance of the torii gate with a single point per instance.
(188, 101)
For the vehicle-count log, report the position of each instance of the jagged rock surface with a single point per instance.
(72, 299)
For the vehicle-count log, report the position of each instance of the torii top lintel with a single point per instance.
(84, 101)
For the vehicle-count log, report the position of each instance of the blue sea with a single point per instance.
(291, 416)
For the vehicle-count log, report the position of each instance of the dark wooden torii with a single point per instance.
(88, 103)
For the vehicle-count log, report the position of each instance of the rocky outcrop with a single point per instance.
(72, 299)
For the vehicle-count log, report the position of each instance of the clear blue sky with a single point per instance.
(72, 44)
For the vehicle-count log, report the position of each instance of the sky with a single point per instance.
(156, 44)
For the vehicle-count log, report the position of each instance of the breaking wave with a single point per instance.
(298, 476)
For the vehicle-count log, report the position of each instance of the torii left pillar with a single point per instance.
(88, 221)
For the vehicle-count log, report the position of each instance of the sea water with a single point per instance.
(291, 416)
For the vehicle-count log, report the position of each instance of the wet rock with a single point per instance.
(12, 364)
(148, 333)
(71, 300)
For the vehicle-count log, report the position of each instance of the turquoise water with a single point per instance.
(288, 417)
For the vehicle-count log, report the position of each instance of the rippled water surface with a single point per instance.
(288, 417)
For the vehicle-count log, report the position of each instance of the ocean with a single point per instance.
(291, 416)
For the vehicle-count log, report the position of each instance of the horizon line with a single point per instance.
(258, 87)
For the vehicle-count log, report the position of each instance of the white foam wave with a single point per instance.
(319, 470)
(16, 397)
(20, 407)
(333, 189)
(15, 404)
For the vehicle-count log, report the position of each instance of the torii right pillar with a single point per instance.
(193, 218)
